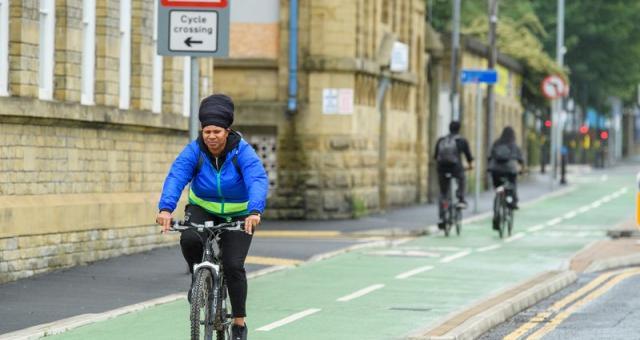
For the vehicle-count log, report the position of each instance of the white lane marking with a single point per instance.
(570, 214)
(514, 237)
(607, 198)
(487, 248)
(623, 191)
(288, 319)
(604, 178)
(455, 256)
(595, 204)
(554, 221)
(536, 227)
(360, 293)
(584, 209)
(413, 272)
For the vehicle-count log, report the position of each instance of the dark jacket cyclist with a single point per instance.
(228, 183)
(448, 154)
(504, 158)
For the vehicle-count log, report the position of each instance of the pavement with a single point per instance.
(421, 283)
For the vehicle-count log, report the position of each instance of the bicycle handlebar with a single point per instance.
(208, 225)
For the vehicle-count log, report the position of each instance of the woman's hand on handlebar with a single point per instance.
(250, 223)
(164, 219)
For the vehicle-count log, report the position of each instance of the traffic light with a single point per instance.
(604, 135)
(584, 129)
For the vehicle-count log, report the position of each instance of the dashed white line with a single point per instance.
(570, 214)
(584, 209)
(455, 256)
(288, 319)
(554, 221)
(536, 227)
(595, 204)
(487, 248)
(514, 237)
(413, 272)
(360, 293)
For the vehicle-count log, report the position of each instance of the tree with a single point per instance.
(603, 49)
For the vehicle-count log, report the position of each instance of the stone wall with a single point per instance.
(80, 183)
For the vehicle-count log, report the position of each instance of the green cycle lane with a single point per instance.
(358, 295)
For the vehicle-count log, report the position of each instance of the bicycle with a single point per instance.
(452, 210)
(208, 311)
(503, 207)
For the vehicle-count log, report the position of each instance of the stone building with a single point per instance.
(91, 118)
(335, 155)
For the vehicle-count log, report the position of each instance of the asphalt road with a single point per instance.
(595, 307)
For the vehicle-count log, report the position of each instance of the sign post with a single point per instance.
(554, 88)
(193, 28)
(478, 77)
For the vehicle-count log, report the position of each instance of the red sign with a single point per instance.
(554, 87)
(195, 3)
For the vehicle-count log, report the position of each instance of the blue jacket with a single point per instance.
(225, 192)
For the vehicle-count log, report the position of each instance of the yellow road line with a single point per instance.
(298, 233)
(542, 316)
(271, 261)
(566, 313)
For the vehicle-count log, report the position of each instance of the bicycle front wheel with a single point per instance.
(223, 318)
(201, 306)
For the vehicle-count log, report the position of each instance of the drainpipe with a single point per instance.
(292, 102)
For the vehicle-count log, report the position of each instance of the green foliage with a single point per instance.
(601, 37)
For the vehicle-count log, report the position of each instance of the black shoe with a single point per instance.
(239, 332)
(441, 225)
(462, 204)
(190, 289)
(496, 224)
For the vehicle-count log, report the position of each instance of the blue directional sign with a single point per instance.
(479, 76)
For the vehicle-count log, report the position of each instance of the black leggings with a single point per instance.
(234, 246)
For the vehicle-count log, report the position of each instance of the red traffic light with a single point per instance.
(584, 129)
(547, 123)
(604, 135)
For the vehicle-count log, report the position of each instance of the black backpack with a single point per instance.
(448, 152)
(502, 153)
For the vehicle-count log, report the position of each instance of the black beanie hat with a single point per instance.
(217, 109)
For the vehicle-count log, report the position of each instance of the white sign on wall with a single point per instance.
(337, 101)
(400, 57)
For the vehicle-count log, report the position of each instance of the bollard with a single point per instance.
(638, 201)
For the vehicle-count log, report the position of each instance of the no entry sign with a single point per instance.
(193, 28)
(554, 87)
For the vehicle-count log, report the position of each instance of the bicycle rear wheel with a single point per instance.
(458, 220)
(509, 220)
(201, 306)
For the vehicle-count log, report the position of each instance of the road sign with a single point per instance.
(193, 28)
(479, 76)
(554, 87)
(195, 3)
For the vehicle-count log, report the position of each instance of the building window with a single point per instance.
(156, 103)
(125, 53)
(88, 51)
(186, 86)
(4, 47)
(46, 51)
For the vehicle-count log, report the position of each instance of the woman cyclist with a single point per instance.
(504, 158)
(228, 183)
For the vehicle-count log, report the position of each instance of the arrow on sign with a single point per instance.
(188, 41)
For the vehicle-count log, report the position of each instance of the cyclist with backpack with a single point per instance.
(448, 152)
(228, 183)
(504, 158)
